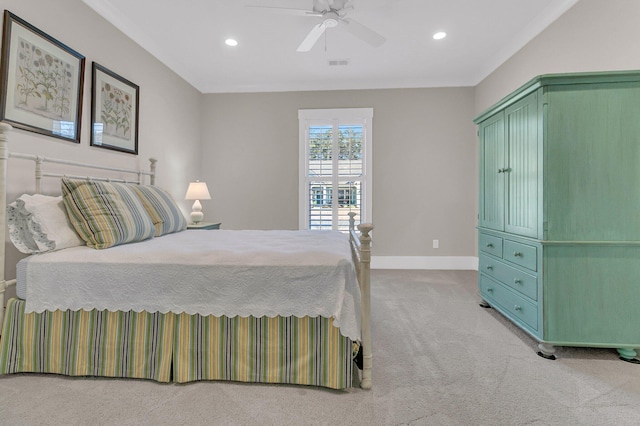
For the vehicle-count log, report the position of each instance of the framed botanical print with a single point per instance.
(114, 111)
(42, 81)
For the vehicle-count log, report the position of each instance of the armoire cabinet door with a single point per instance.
(521, 174)
(492, 166)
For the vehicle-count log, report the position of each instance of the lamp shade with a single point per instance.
(197, 191)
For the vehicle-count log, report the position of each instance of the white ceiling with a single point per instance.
(188, 36)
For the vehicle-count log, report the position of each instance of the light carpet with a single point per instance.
(439, 359)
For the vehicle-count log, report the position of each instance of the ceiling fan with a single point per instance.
(331, 13)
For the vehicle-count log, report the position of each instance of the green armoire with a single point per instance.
(559, 210)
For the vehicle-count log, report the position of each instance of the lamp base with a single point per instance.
(196, 217)
(196, 212)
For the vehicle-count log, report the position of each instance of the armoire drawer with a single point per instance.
(521, 254)
(515, 305)
(490, 244)
(518, 280)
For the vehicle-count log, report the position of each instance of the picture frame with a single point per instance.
(42, 81)
(115, 104)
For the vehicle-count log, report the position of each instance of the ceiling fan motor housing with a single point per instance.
(330, 19)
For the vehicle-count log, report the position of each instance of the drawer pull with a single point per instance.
(489, 245)
(489, 267)
(517, 281)
(517, 254)
(517, 307)
(490, 290)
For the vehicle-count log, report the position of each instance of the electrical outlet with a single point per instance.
(436, 244)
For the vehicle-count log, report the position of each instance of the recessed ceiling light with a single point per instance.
(439, 35)
(231, 42)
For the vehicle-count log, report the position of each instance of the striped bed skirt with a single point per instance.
(176, 347)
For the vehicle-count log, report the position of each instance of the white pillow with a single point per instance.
(39, 223)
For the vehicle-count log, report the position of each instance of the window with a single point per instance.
(335, 159)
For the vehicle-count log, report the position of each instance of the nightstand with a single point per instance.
(204, 225)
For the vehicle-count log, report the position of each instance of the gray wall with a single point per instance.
(424, 164)
(594, 35)
(169, 117)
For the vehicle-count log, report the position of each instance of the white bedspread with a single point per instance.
(218, 273)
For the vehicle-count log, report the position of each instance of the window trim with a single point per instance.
(308, 117)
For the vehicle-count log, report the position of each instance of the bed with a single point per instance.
(174, 305)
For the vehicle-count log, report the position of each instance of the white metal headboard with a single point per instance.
(39, 161)
(138, 177)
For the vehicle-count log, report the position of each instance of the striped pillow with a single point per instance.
(162, 208)
(105, 214)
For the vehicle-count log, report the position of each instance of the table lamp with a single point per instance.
(197, 191)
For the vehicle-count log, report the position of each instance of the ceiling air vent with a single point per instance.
(338, 62)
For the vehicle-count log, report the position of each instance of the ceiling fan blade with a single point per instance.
(285, 10)
(311, 38)
(363, 33)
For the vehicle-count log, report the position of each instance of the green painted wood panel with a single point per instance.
(592, 295)
(525, 255)
(492, 153)
(520, 310)
(521, 282)
(522, 174)
(592, 171)
(490, 244)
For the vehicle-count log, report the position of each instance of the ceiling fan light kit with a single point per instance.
(329, 22)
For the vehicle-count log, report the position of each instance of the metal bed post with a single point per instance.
(39, 161)
(365, 289)
(152, 171)
(361, 250)
(4, 156)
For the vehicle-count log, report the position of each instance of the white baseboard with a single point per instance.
(424, 262)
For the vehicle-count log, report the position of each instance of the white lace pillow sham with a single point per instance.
(39, 223)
